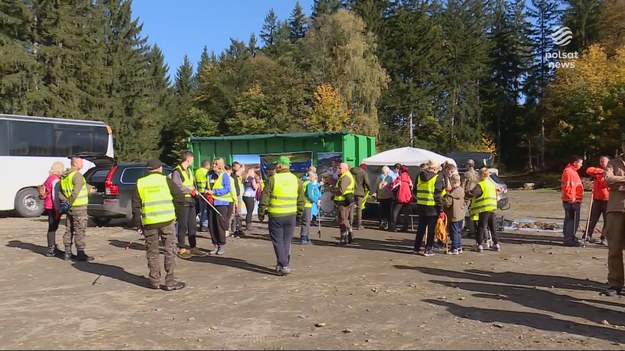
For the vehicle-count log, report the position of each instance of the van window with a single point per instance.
(131, 174)
(31, 139)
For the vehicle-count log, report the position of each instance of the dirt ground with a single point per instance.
(375, 294)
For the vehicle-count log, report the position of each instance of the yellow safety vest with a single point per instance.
(425, 191)
(157, 202)
(486, 202)
(219, 185)
(308, 203)
(233, 189)
(283, 198)
(187, 179)
(67, 186)
(350, 187)
(201, 179)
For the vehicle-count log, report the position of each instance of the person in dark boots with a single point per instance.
(51, 205)
(362, 187)
(344, 199)
(154, 212)
(430, 185)
(403, 193)
(74, 198)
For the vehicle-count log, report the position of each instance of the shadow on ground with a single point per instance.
(110, 271)
(539, 292)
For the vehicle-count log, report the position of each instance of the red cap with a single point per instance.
(363, 166)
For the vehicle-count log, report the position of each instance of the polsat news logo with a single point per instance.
(562, 37)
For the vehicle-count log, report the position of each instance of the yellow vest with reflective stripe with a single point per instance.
(201, 179)
(233, 189)
(350, 187)
(308, 203)
(486, 202)
(425, 191)
(187, 179)
(67, 187)
(219, 185)
(283, 198)
(157, 202)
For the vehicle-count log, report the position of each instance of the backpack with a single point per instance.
(404, 193)
(42, 191)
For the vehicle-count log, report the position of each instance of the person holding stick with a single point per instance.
(219, 189)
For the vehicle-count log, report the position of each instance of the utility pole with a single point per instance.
(410, 116)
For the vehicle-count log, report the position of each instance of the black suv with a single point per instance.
(113, 185)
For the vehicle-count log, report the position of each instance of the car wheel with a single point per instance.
(28, 204)
(101, 221)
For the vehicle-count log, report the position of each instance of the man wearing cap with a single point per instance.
(344, 198)
(283, 200)
(362, 187)
(74, 199)
(154, 205)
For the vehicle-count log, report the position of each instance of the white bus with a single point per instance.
(30, 145)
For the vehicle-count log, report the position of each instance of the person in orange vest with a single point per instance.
(572, 195)
(600, 195)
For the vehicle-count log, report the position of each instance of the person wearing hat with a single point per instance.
(283, 200)
(74, 198)
(344, 199)
(469, 180)
(154, 205)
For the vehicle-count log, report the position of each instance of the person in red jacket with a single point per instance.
(600, 193)
(572, 194)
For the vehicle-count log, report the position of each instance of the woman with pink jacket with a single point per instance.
(51, 205)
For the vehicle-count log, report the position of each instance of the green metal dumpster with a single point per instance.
(354, 147)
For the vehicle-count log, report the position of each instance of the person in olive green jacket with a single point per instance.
(283, 200)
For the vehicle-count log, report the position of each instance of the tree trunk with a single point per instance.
(410, 126)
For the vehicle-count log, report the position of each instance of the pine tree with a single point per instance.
(17, 64)
(466, 68)
(544, 13)
(510, 59)
(325, 7)
(583, 17)
(412, 54)
(297, 23)
(270, 29)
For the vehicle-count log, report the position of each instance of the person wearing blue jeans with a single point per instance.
(454, 205)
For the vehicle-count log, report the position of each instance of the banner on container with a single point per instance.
(300, 161)
(328, 166)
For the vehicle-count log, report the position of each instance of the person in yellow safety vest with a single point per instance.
(220, 184)
(430, 185)
(234, 223)
(154, 206)
(484, 204)
(201, 180)
(283, 200)
(74, 197)
(345, 199)
(184, 179)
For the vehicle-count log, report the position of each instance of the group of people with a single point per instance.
(164, 207)
(440, 192)
(607, 201)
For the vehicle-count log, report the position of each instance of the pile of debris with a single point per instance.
(531, 224)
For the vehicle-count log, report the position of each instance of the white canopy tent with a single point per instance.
(409, 156)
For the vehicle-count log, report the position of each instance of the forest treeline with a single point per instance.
(443, 75)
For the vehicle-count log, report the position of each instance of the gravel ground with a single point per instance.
(374, 294)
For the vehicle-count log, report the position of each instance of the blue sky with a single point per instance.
(186, 26)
